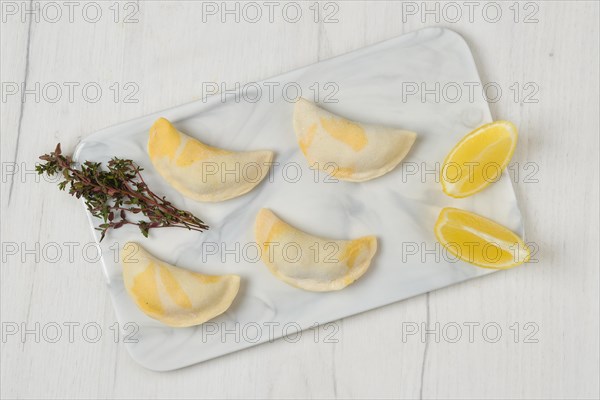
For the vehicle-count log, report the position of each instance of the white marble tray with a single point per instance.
(396, 207)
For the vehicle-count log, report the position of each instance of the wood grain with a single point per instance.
(167, 55)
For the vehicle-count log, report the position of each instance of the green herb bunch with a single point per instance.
(113, 193)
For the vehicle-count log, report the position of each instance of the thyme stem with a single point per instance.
(114, 193)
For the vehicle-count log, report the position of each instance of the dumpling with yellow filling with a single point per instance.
(310, 262)
(202, 172)
(349, 150)
(172, 295)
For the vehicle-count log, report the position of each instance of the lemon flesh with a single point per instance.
(479, 241)
(345, 149)
(309, 262)
(478, 159)
(202, 172)
(172, 295)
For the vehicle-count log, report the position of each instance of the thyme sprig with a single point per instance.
(111, 194)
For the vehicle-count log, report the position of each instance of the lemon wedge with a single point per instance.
(478, 159)
(309, 262)
(479, 241)
(172, 295)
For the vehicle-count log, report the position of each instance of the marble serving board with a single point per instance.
(368, 85)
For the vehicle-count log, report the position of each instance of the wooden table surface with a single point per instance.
(530, 332)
